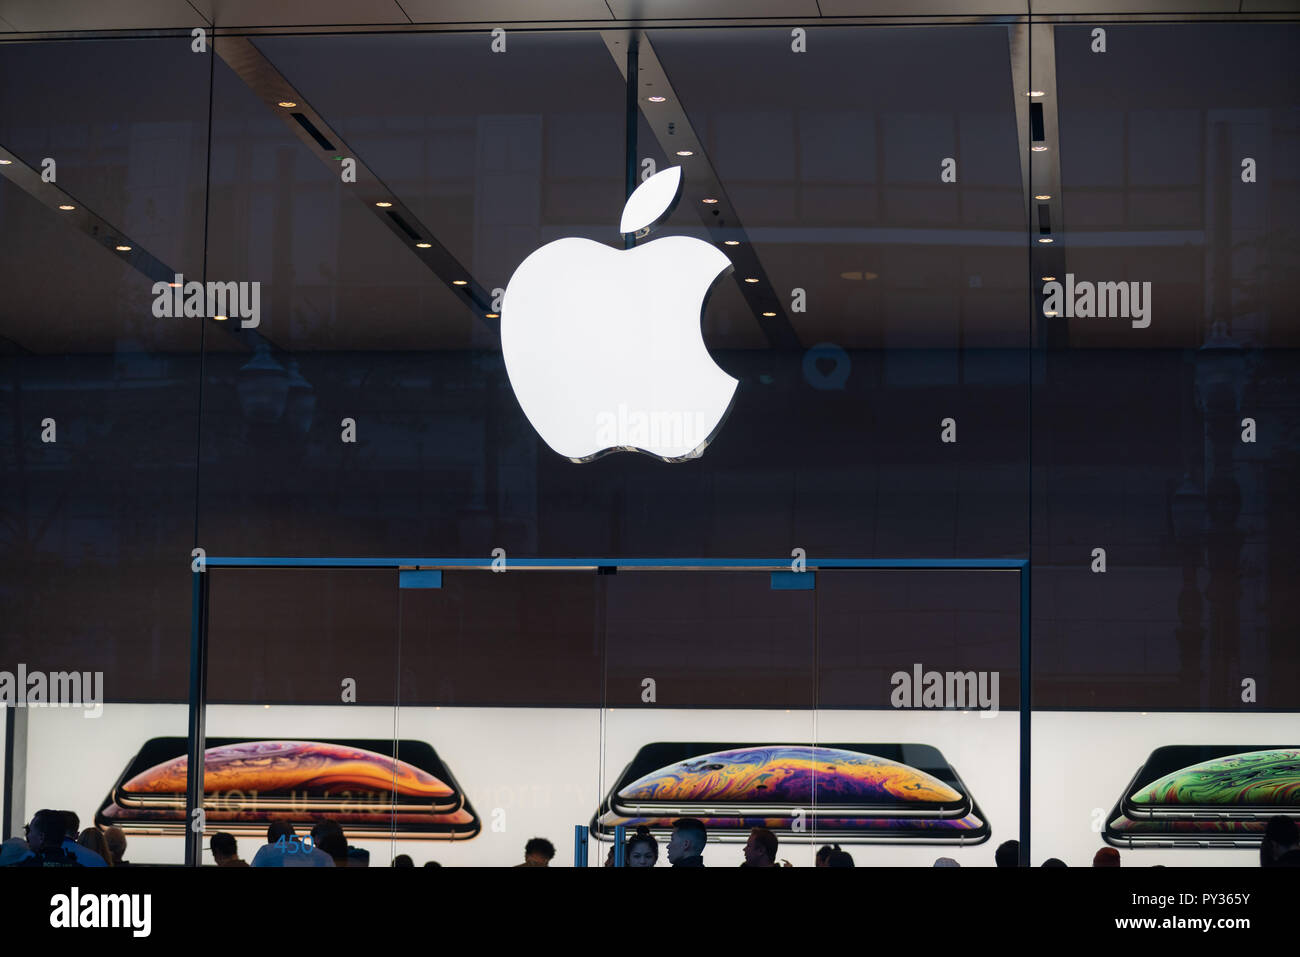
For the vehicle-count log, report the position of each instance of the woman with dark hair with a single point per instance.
(642, 849)
(93, 838)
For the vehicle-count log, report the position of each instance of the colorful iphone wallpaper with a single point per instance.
(370, 787)
(864, 793)
(884, 780)
(1240, 782)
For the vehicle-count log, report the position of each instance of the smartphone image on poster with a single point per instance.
(335, 775)
(458, 825)
(1215, 782)
(969, 829)
(1125, 832)
(710, 779)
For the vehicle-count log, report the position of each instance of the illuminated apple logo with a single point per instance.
(603, 346)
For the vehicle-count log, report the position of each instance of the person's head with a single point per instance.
(277, 830)
(688, 840)
(538, 852)
(46, 830)
(824, 854)
(13, 850)
(224, 847)
(432, 864)
(839, 859)
(93, 838)
(403, 860)
(1106, 857)
(945, 862)
(642, 849)
(1054, 862)
(1007, 854)
(328, 836)
(1280, 836)
(760, 849)
(115, 838)
(71, 825)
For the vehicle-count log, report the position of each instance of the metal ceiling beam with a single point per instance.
(105, 234)
(672, 128)
(1229, 11)
(311, 129)
(1033, 70)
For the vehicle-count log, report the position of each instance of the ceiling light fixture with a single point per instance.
(66, 206)
(1043, 196)
(1049, 279)
(751, 279)
(769, 315)
(1039, 149)
(656, 99)
(383, 205)
(5, 162)
(685, 152)
(220, 318)
(123, 249)
(710, 201)
(731, 242)
(459, 282)
(1036, 93)
(424, 245)
(1045, 239)
(287, 104)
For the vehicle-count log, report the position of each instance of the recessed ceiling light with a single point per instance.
(751, 279)
(656, 99)
(287, 104)
(685, 152)
(731, 242)
(383, 205)
(493, 315)
(220, 318)
(1043, 196)
(1050, 312)
(769, 315)
(1039, 149)
(459, 282)
(1049, 279)
(123, 249)
(67, 206)
(174, 285)
(1036, 93)
(5, 162)
(1045, 239)
(710, 201)
(424, 245)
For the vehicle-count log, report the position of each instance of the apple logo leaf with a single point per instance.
(652, 201)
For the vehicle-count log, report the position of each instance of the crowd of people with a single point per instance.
(55, 839)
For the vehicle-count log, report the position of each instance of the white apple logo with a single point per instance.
(603, 346)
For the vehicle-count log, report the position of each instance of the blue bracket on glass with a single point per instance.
(794, 581)
(422, 578)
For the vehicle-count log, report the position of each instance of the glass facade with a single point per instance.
(1003, 292)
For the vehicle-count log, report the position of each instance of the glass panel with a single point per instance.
(920, 667)
(1164, 599)
(500, 675)
(709, 688)
(99, 404)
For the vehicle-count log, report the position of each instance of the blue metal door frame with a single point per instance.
(199, 632)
